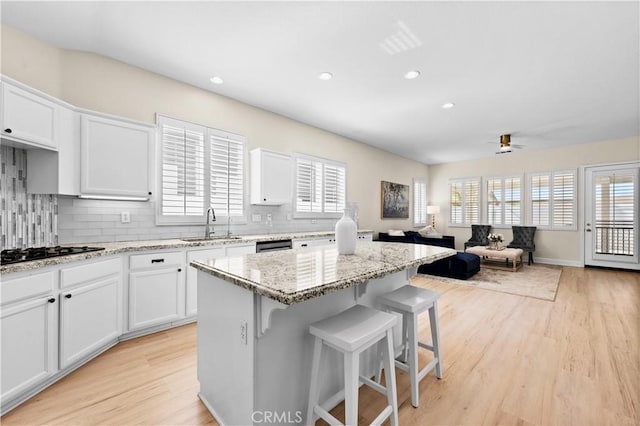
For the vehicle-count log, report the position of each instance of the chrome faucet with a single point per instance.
(208, 229)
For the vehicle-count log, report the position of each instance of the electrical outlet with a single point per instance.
(243, 332)
(125, 217)
(269, 217)
(313, 221)
(256, 218)
(288, 216)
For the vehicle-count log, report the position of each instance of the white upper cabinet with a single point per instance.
(271, 177)
(115, 157)
(52, 172)
(28, 117)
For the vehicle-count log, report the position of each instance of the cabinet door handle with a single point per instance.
(149, 192)
(304, 245)
(68, 296)
(157, 260)
(52, 300)
(264, 199)
(179, 269)
(8, 130)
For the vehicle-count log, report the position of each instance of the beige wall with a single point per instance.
(556, 245)
(95, 82)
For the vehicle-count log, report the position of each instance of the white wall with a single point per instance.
(95, 82)
(552, 246)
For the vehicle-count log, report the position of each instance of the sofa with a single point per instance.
(460, 266)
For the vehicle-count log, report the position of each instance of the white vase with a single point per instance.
(346, 234)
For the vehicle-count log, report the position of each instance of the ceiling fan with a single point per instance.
(506, 145)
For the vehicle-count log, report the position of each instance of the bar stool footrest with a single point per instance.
(326, 416)
(384, 415)
(425, 346)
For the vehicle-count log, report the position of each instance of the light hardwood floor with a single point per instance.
(508, 360)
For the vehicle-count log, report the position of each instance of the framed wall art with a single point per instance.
(395, 200)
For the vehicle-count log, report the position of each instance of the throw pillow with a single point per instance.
(395, 233)
(426, 231)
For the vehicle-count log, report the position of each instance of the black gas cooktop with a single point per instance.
(37, 253)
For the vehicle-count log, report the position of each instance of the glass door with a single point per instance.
(611, 216)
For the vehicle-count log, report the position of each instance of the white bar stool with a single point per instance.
(411, 301)
(351, 332)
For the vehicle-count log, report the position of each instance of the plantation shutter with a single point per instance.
(320, 186)
(226, 174)
(472, 202)
(455, 203)
(334, 188)
(540, 199)
(182, 178)
(494, 199)
(419, 202)
(563, 199)
(512, 201)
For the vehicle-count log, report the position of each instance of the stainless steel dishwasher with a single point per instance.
(264, 246)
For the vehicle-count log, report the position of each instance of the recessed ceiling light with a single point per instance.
(325, 76)
(448, 105)
(216, 80)
(412, 74)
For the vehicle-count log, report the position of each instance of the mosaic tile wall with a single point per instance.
(26, 220)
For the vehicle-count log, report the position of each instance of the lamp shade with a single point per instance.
(433, 209)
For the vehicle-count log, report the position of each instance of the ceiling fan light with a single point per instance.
(410, 75)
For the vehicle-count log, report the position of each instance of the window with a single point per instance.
(320, 187)
(553, 199)
(200, 167)
(464, 201)
(504, 200)
(419, 202)
(226, 173)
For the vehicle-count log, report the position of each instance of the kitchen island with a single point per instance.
(254, 311)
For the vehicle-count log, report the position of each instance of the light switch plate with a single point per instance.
(125, 217)
(256, 218)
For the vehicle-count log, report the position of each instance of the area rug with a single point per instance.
(537, 281)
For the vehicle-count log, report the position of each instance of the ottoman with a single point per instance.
(460, 266)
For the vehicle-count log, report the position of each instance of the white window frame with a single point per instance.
(420, 217)
(502, 217)
(552, 175)
(321, 213)
(208, 133)
(465, 222)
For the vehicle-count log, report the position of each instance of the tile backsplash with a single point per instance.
(26, 220)
(33, 220)
(87, 221)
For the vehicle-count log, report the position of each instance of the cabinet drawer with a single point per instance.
(86, 273)
(25, 287)
(157, 260)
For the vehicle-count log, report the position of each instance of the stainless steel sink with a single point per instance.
(221, 237)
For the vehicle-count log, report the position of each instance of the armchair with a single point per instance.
(523, 239)
(478, 236)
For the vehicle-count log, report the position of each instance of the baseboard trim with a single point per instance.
(560, 262)
(213, 412)
(6, 406)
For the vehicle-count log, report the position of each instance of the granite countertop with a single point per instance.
(146, 245)
(293, 276)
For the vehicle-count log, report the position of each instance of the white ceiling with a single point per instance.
(549, 73)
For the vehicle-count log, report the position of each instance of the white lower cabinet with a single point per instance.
(191, 296)
(313, 242)
(29, 327)
(90, 308)
(156, 289)
(89, 319)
